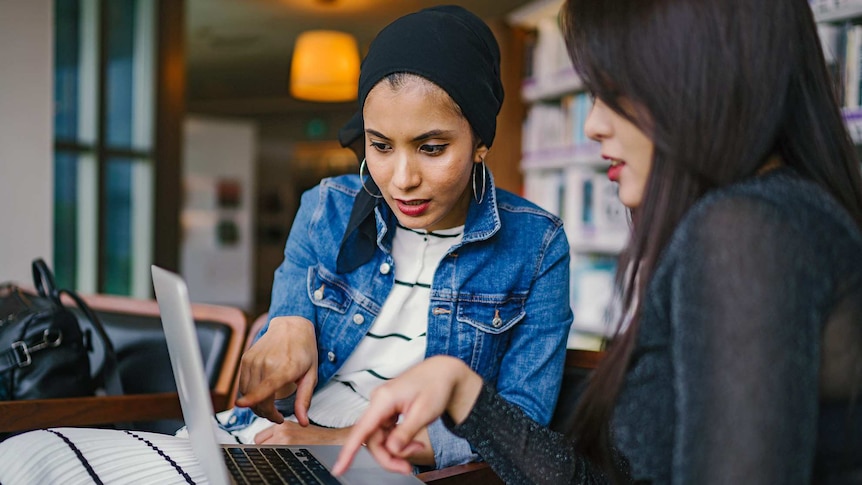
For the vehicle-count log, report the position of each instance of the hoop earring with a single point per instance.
(362, 181)
(479, 198)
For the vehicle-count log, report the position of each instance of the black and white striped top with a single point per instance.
(396, 339)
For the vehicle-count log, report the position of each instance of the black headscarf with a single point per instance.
(450, 47)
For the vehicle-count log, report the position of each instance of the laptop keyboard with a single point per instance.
(276, 465)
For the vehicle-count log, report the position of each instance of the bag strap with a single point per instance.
(109, 375)
(43, 278)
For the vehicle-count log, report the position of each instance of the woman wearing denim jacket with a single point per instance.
(421, 234)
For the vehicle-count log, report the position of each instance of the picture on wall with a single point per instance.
(228, 193)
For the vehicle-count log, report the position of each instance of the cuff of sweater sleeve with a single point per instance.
(486, 395)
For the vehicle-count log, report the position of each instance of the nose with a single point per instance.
(405, 175)
(597, 125)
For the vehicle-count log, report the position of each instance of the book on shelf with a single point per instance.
(556, 124)
(583, 105)
(551, 55)
(545, 188)
(852, 42)
(529, 53)
(547, 62)
(592, 290)
(842, 51)
(830, 40)
(609, 214)
(853, 121)
(594, 218)
(545, 127)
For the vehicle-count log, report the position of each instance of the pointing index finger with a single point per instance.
(374, 418)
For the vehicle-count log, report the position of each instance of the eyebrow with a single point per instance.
(423, 136)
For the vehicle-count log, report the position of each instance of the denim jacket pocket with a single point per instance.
(326, 290)
(493, 314)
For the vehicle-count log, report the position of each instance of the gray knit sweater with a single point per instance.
(749, 358)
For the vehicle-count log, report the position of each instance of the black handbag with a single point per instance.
(44, 351)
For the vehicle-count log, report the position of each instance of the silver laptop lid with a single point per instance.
(187, 364)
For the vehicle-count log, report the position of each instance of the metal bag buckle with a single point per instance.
(50, 338)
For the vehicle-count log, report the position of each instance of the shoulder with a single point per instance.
(339, 186)
(781, 210)
(780, 199)
(336, 193)
(329, 203)
(523, 224)
(518, 208)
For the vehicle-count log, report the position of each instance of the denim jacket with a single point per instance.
(499, 300)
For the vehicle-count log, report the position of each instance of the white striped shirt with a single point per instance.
(397, 338)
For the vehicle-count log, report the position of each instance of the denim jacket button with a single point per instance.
(318, 294)
(385, 268)
(330, 356)
(496, 322)
(358, 319)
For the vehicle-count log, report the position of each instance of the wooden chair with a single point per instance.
(255, 328)
(252, 332)
(149, 398)
(466, 474)
(579, 365)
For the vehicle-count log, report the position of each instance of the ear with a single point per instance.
(480, 153)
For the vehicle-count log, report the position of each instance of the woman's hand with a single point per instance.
(282, 361)
(419, 396)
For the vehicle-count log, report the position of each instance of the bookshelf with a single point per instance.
(839, 24)
(835, 10)
(564, 172)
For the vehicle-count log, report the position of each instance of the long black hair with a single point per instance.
(719, 86)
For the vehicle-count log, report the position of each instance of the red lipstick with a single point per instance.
(412, 208)
(614, 172)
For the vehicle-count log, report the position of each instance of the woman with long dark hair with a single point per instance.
(739, 354)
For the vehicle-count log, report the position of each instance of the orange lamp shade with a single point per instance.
(325, 66)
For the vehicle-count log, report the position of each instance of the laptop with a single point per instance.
(235, 463)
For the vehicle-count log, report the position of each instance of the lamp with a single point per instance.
(325, 66)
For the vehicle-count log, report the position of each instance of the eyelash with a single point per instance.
(432, 150)
(382, 147)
